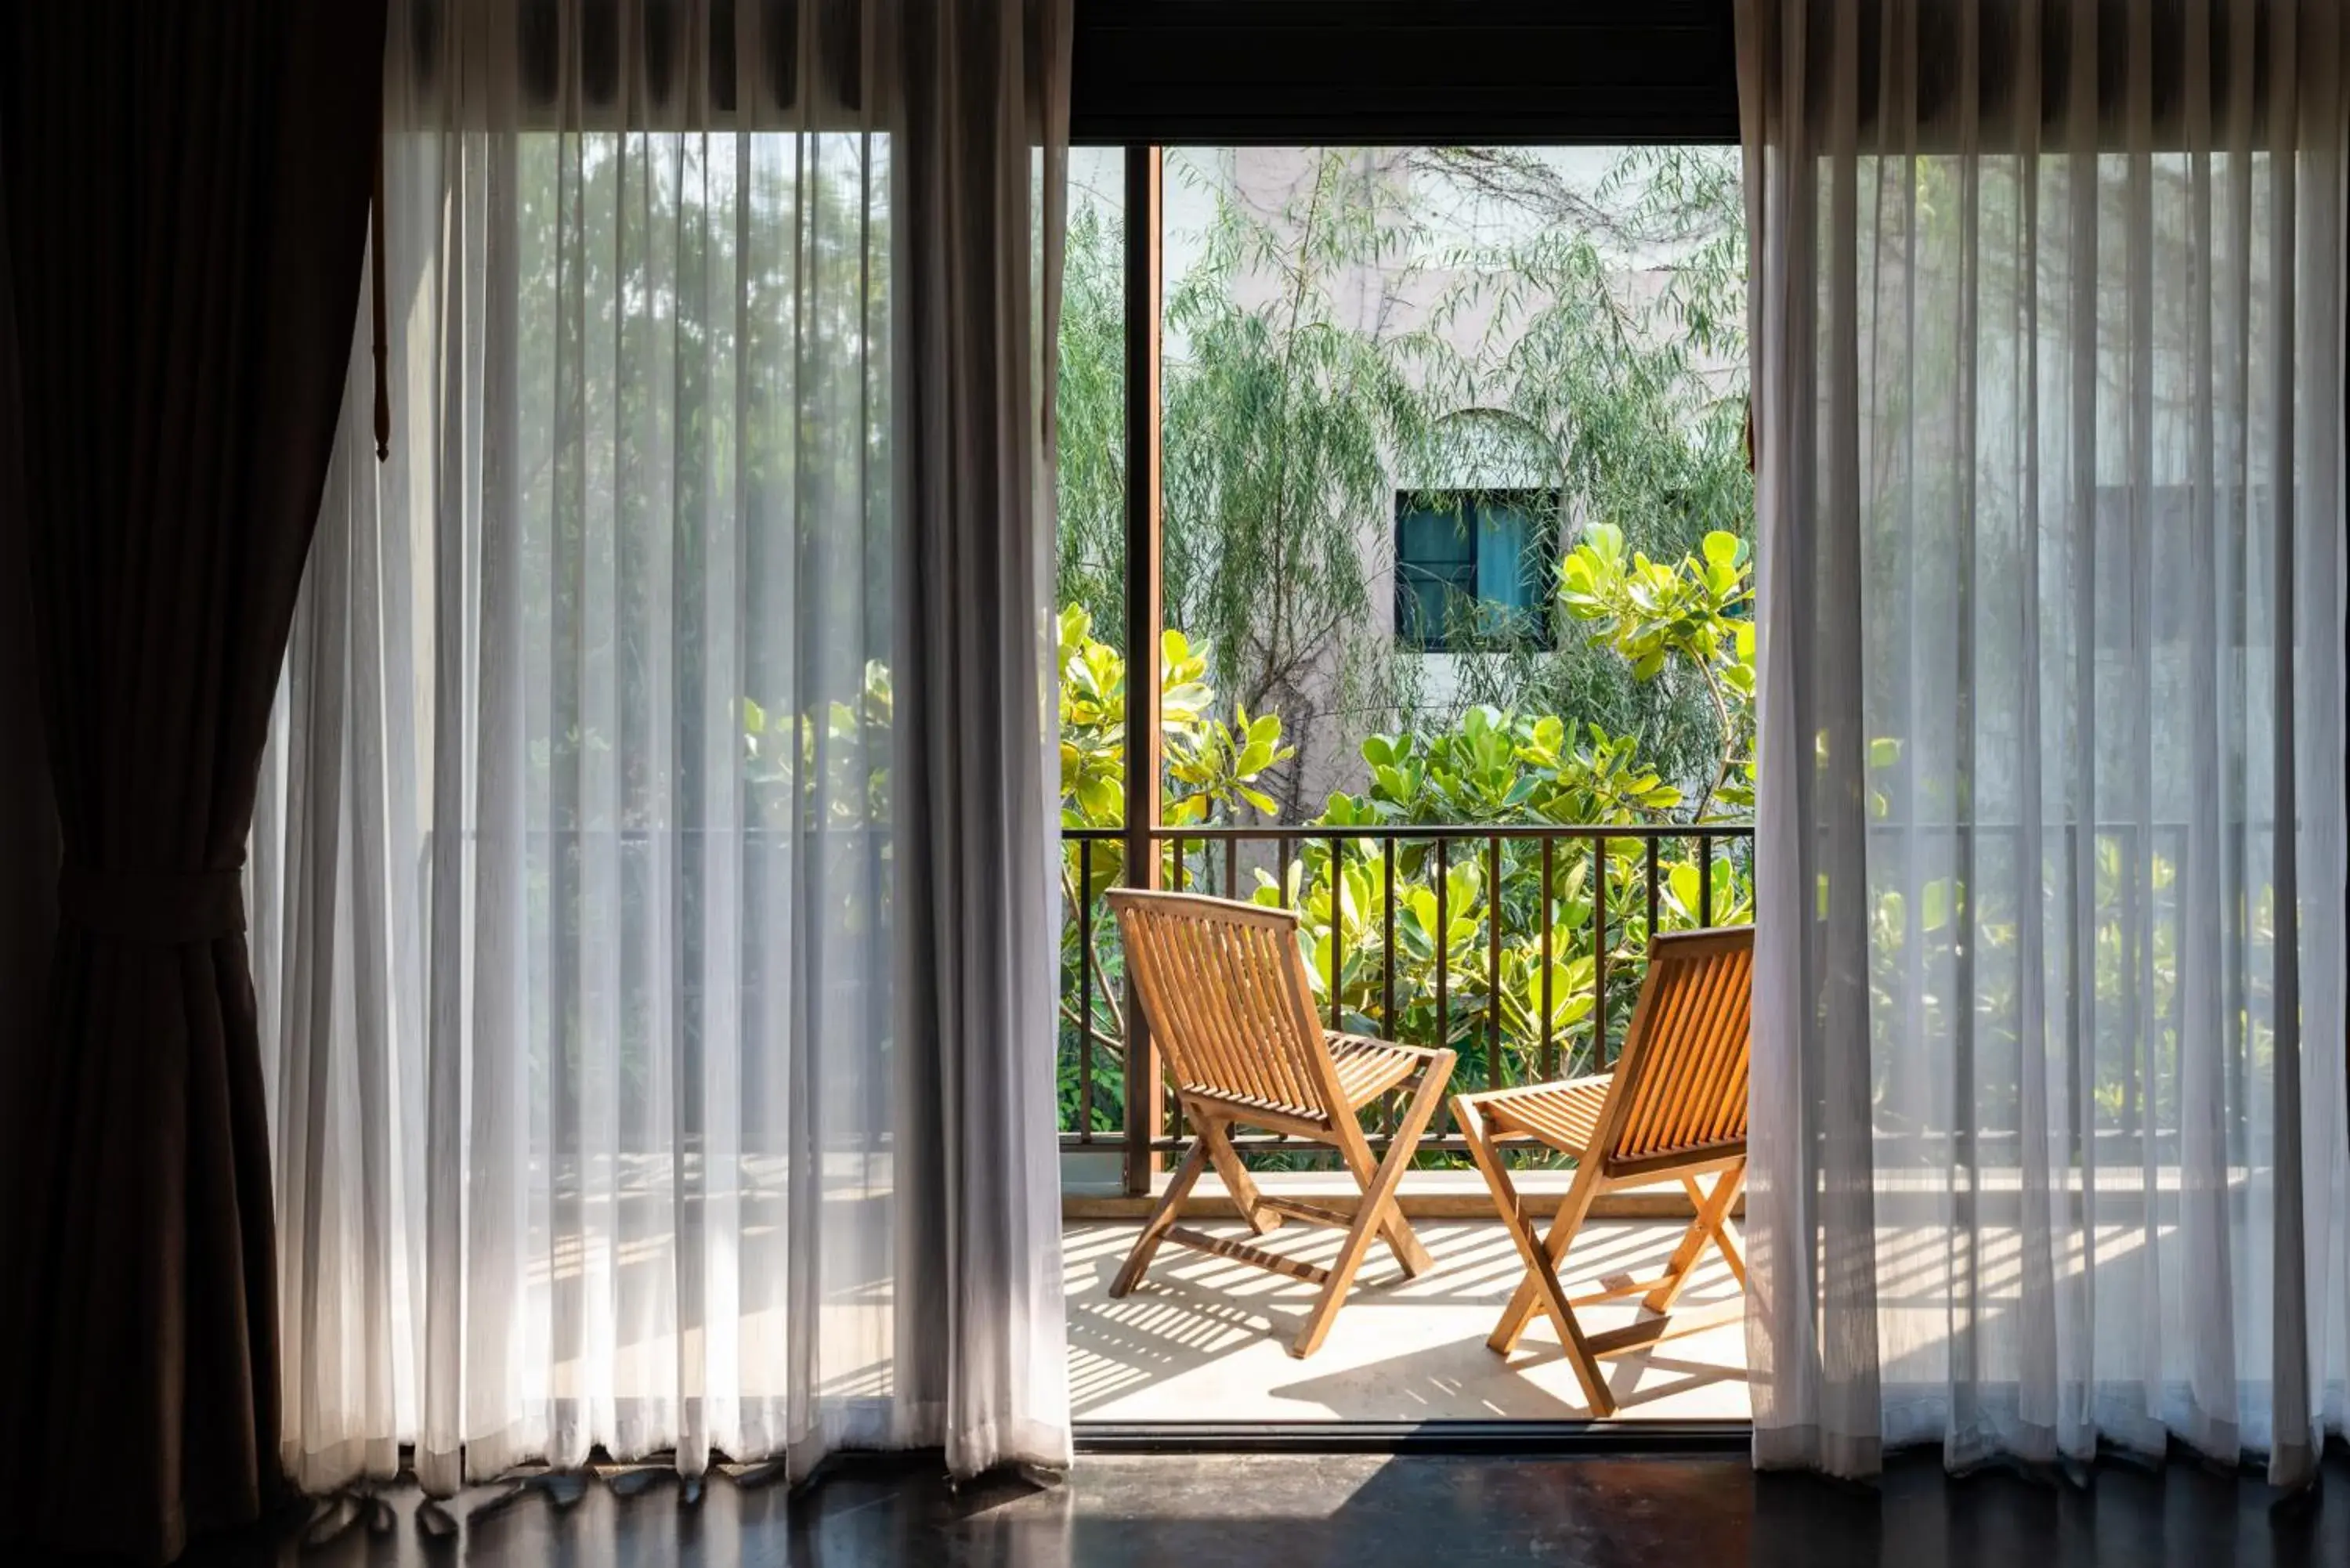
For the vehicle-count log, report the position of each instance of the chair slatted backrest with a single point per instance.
(1225, 991)
(1685, 1057)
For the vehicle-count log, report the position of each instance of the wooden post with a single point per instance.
(1144, 228)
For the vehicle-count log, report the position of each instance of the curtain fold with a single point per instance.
(977, 756)
(186, 199)
(654, 879)
(2049, 1124)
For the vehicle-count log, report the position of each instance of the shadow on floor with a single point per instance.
(1205, 1339)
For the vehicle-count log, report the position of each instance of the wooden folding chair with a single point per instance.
(1224, 989)
(1675, 1106)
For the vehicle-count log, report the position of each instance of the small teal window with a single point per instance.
(1474, 569)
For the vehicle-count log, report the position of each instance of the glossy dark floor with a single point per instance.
(1359, 1510)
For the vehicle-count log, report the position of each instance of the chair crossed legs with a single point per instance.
(1228, 1000)
(1675, 1106)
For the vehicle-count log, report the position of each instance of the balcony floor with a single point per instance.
(1206, 1339)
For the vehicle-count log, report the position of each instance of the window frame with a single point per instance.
(1543, 503)
(1147, 75)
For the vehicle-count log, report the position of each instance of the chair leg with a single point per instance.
(1218, 1136)
(1564, 1225)
(1162, 1218)
(1711, 1208)
(1725, 1229)
(1410, 1255)
(1541, 1285)
(1378, 1207)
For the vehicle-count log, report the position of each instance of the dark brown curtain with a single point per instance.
(186, 190)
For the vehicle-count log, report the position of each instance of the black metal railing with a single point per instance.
(1520, 945)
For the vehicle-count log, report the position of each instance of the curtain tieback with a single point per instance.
(163, 908)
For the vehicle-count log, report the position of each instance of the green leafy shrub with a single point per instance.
(1515, 1013)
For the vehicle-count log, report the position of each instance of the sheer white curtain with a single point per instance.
(653, 903)
(2048, 1119)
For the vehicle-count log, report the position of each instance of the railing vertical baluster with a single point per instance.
(1600, 952)
(1443, 954)
(1387, 951)
(1549, 1040)
(1548, 1049)
(1705, 879)
(1337, 931)
(1171, 1109)
(1170, 1114)
(1652, 890)
(1281, 869)
(1084, 990)
(1494, 966)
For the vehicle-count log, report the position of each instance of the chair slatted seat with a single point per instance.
(1674, 1106)
(1224, 989)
